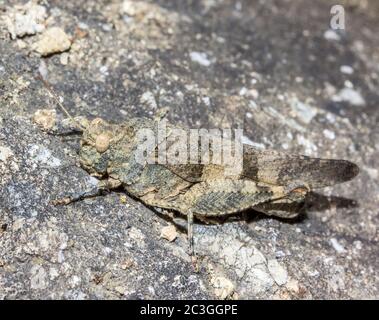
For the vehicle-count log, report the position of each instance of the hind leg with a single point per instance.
(217, 198)
(220, 197)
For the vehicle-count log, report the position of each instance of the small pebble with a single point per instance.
(278, 273)
(200, 58)
(26, 20)
(351, 96)
(149, 99)
(169, 233)
(45, 118)
(347, 69)
(64, 58)
(53, 40)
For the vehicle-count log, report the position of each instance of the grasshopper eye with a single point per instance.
(102, 142)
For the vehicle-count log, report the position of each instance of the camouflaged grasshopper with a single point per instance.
(271, 182)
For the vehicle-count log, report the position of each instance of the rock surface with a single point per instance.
(287, 79)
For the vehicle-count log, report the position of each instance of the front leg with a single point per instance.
(103, 185)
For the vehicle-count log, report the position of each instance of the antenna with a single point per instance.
(56, 98)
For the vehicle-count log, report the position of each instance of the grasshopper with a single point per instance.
(271, 182)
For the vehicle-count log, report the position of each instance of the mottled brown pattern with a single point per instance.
(268, 177)
(271, 182)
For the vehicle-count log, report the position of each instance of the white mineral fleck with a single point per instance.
(42, 69)
(42, 155)
(5, 153)
(303, 111)
(207, 101)
(348, 84)
(38, 278)
(200, 58)
(104, 70)
(242, 91)
(64, 58)
(149, 99)
(358, 244)
(329, 134)
(83, 26)
(92, 181)
(262, 279)
(75, 281)
(278, 273)
(53, 273)
(351, 96)
(372, 172)
(60, 257)
(280, 254)
(337, 246)
(346, 69)
(330, 117)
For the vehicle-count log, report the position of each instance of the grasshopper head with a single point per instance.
(96, 146)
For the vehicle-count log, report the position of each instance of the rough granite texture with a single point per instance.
(272, 68)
